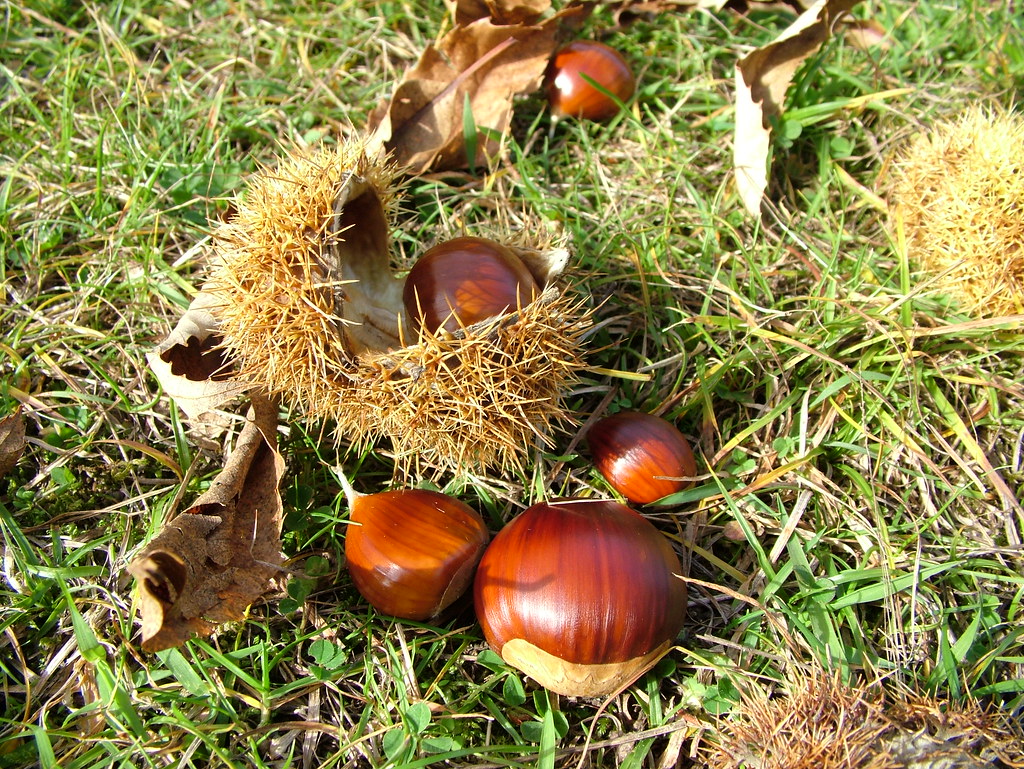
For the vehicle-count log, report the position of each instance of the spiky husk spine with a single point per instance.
(818, 721)
(309, 309)
(957, 191)
(477, 400)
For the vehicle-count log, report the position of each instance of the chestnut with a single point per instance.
(643, 457)
(580, 595)
(412, 552)
(580, 78)
(464, 281)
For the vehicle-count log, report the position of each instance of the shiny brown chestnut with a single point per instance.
(465, 281)
(580, 78)
(412, 552)
(643, 457)
(581, 595)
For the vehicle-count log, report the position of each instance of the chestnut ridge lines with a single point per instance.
(581, 595)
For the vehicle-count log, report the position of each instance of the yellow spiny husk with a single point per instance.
(309, 309)
(958, 192)
(818, 721)
(474, 400)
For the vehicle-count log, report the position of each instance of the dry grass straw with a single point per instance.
(957, 191)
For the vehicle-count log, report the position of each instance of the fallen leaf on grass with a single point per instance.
(627, 11)
(189, 364)
(762, 78)
(208, 564)
(499, 11)
(12, 441)
(482, 67)
(92, 720)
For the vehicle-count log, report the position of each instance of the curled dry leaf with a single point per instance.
(627, 11)
(12, 441)
(483, 66)
(189, 363)
(208, 564)
(762, 78)
(499, 11)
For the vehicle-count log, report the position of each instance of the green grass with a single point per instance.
(853, 428)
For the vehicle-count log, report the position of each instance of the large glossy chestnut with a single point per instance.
(412, 552)
(643, 457)
(580, 595)
(580, 78)
(465, 281)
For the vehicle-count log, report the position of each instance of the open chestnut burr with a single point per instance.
(302, 294)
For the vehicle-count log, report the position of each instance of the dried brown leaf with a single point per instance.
(484, 63)
(12, 441)
(499, 11)
(866, 34)
(207, 565)
(91, 721)
(627, 11)
(189, 363)
(762, 78)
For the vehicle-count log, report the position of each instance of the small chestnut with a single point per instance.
(412, 552)
(581, 595)
(580, 78)
(465, 281)
(643, 457)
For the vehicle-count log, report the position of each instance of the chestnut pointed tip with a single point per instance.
(351, 495)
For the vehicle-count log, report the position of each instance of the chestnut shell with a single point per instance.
(412, 552)
(568, 91)
(465, 281)
(643, 457)
(588, 583)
